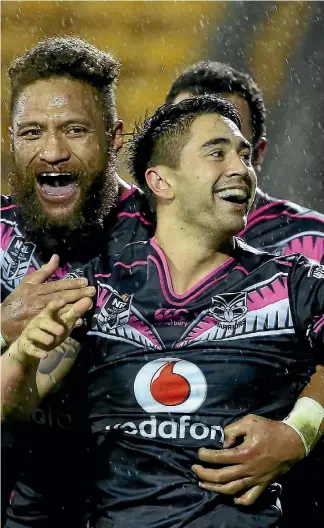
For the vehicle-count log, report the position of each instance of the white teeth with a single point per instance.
(232, 193)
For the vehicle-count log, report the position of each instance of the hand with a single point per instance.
(268, 450)
(34, 293)
(47, 331)
(29, 365)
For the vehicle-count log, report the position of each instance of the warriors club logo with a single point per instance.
(229, 308)
(170, 385)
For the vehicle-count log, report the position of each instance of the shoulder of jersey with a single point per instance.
(261, 257)
(133, 198)
(274, 205)
(7, 201)
(134, 253)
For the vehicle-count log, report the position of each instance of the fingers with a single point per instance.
(70, 296)
(76, 312)
(27, 347)
(50, 326)
(44, 273)
(228, 489)
(236, 455)
(250, 496)
(51, 309)
(65, 309)
(38, 337)
(220, 476)
(235, 430)
(62, 286)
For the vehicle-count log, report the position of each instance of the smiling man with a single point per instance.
(275, 225)
(66, 199)
(197, 328)
(192, 330)
(280, 227)
(61, 149)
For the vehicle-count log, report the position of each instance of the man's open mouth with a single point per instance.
(234, 195)
(57, 186)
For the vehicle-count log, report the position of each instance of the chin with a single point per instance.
(235, 227)
(59, 212)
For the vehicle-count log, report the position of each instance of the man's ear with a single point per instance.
(157, 180)
(259, 153)
(11, 139)
(117, 135)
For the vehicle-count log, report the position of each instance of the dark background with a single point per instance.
(280, 43)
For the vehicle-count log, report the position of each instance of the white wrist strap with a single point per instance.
(306, 419)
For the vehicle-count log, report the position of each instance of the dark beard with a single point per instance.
(86, 222)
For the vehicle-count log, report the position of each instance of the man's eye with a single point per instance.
(247, 158)
(32, 133)
(217, 154)
(76, 131)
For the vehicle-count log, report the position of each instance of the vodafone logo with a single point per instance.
(170, 385)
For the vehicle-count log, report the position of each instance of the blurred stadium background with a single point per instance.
(280, 43)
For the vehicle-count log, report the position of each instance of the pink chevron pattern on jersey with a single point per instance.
(319, 324)
(310, 246)
(268, 311)
(102, 296)
(7, 232)
(144, 329)
(268, 294)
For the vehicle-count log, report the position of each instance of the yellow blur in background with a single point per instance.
(155, 41)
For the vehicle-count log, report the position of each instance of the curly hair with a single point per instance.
(208, 77)
(69, 57)
(162, 136)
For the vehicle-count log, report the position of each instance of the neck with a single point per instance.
(256, 202)
(190, 254)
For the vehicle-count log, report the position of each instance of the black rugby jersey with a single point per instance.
(282, 227)
(54, 467)
(21, 255)
(171, 371)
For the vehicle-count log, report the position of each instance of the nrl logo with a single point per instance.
(17, 259)
(229, 308)
(115, 311)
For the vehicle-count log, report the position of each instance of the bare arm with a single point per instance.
(34, 363)
(315, 390)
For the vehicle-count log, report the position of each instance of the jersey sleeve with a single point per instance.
(307, 295)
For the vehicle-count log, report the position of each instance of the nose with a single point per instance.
(237, 167)
(54, 150)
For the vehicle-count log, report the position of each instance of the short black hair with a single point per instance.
(69, 57)
(162, 136)
(209, 77)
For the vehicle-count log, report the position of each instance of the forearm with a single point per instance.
(19, 393)
(315, 390)
(56, 366)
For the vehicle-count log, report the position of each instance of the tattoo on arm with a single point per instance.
(67, 350)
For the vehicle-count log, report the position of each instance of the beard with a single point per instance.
(99, 195)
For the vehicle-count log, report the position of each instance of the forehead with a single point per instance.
(238, 101)
(56, 96)
(244, 110)
(209, 126)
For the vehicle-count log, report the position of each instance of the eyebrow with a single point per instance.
(244, 143)
(71, 121)
(23, 124)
